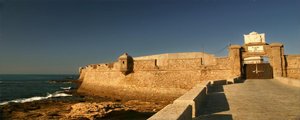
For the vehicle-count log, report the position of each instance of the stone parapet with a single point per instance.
(276, 44)
(195, 98)
(176, 111)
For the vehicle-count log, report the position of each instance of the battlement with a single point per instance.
(168, 61)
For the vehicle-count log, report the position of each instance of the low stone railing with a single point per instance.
(186, 106)
(189, 104)
(175, 111)
(288, 81)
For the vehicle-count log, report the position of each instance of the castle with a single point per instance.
(167, 76)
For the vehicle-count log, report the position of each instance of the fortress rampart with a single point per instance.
(164, 76)
(167, 76)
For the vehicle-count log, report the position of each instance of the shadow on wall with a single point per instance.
(216, 102)
(242, 80)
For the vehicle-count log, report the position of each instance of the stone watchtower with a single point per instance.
(126, 63)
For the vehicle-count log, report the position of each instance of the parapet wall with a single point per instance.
(189, 105)
(184, 64)
(168, 64)
(144, 65)
(293, 66)
(207, 59)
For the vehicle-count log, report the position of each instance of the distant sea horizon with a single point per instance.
(20, 88)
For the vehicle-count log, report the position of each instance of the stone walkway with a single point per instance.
(254, 99)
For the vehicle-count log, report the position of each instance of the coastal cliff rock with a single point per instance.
(86, 108)
(92, 111)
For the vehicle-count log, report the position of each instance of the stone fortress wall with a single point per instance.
(292, 66)
(167, 76)
(163, 76)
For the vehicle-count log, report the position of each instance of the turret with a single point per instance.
(126, 63)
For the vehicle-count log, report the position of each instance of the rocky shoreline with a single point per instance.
(80, 107)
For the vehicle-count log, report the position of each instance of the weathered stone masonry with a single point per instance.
(292, 67)
(167, 76)
(164, 76)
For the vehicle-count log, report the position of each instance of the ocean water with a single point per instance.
(26, 88)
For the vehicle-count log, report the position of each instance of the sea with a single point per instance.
(28, 88)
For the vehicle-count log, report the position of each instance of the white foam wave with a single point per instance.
(65, 88)
(23, 100)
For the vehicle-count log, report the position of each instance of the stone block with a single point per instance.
(176, 111)
(195, 97)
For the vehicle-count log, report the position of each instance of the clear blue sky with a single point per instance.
(58, 36)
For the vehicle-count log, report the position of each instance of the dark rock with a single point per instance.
(34, 115)
(53, 113)
(82, 118)
(33, 107)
